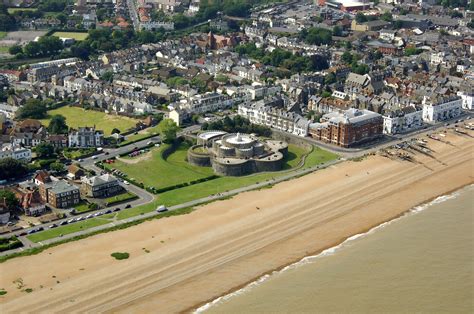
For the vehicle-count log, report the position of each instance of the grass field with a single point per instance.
(74, 35)
(13, 10)
(4, 49)
(67, 229)
(3, 35)
(120, 198)
(82, 207)
(141, 135)
(156, 172)
(223, 184)
(76, 117)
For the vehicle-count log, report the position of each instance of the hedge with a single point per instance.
(9, 244)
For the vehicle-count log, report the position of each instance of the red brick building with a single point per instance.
(348, 129)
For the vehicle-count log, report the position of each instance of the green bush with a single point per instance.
(10, 244)
(120, 255)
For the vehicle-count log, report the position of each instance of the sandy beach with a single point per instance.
(179, 263)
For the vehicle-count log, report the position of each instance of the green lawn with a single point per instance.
(13, 10)
(76, 117)
(82, 207)
(3, 35)
(222, 184)
(67, 229)
(74, 35)
(318, 156)
(159, 173)
(120, 198)
(141, 135)
(4, 49)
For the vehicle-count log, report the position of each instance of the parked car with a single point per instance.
(40, 229)
(53, 226)
(128, 206)
(108, 211)
(23, 234)
(117, 209)
(64, 222)
(162, 209)
(31, 231)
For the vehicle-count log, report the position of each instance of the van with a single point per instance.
(162, 209)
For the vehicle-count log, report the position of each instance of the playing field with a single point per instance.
(13, 10)
(74, 35)
(154, 171)
(78, 117)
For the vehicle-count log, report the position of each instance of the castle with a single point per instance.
(235, 154)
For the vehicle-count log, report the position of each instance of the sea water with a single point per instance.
(421, 262)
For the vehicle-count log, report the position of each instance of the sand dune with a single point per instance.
(197, 257)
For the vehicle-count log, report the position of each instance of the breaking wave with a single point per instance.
(327, 252)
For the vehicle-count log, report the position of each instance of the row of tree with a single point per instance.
(278, 57)
(46, 46)
(237, 124)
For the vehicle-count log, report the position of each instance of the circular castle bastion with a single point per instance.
(235, 154)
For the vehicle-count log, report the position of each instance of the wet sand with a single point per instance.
(220, 247)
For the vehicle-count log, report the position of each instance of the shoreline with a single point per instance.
(204, 306)
(226, 243)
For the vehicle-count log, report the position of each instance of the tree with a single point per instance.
(387, 17)
(115, 131)
(44, 150)
(347, 57)
(11, 168)
(168, 130)
(10, 199)
(58, 125)
(410, 51)
(33, 109)
(330, 78)
(471, 24)
(221, 78)
(15, 49)
(337, 31)
(32, 49)
(57, 167)
(316, 36)
(326, 94)
(361, 18)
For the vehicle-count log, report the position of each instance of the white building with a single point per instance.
(277, 118)
(440, 109)
(403, 120)
(207, 103)
(438, 57)
(467, 100)
(86, 137)
(16, 152)
(387, 34)
(194, 6)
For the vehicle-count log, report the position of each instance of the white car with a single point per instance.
(126, 182)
